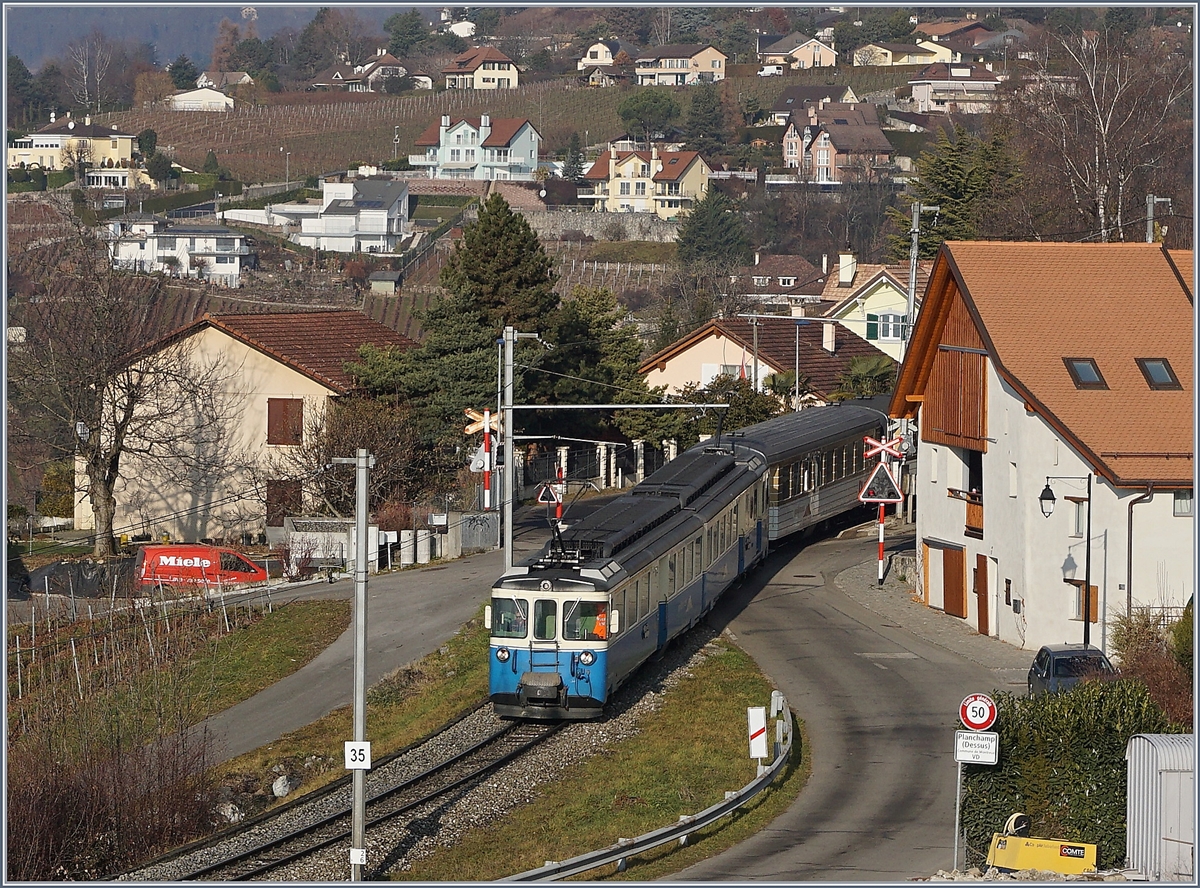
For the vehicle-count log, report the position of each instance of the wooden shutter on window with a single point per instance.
(285, 420)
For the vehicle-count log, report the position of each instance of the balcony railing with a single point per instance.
(422, 160)
(973, 525)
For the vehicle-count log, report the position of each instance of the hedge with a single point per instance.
(1062, 762)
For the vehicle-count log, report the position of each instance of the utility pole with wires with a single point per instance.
(915, 231)
(1151, 200)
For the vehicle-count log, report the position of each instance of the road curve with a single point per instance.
(880, 707)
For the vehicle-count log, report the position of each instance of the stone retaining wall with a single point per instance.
(602, 226)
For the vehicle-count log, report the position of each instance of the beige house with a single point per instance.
(57, 145)
(666, 183)
(482, 67)
(680, 64)
(799, 51)
(887, 55)
(280, 372)
(754, 350)
(203, 99)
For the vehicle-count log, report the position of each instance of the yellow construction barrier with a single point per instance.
(1012, 853)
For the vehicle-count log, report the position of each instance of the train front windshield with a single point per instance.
(582, 620)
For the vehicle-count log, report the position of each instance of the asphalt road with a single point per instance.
(880, 706)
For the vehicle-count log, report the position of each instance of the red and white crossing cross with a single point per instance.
(977, 712)
(891, 447)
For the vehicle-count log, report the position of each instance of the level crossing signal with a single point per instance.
(881, 487)
(892, 447)
(477, 422)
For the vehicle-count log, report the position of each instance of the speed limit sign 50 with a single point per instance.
(977, 712)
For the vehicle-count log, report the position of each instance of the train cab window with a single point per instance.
(545, 619)
(510, 617)
(585, 621)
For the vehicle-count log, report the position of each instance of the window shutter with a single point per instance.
(872, 326)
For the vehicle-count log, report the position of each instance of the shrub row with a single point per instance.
(1062, 762)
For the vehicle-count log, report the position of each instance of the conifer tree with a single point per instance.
(713, 231)
(706, 121)
(500, 267)
(573, 165)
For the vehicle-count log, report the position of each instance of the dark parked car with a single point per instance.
(1060, 666)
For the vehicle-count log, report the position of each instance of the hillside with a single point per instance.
(328, 131)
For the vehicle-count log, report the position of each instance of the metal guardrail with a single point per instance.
(620, 852)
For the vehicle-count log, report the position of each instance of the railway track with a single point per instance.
(397, 792)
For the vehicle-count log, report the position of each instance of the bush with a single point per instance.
(1062, 762)
(18, 175)
(1182, 635)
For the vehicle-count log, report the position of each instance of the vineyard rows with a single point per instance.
(253, 141)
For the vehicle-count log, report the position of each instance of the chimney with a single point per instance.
(87, 120)
(824, 263)
(653, 153)
(445, 120)
(827, 336)
(847, 266)
(756, 257)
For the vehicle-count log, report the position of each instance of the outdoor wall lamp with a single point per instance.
(1046, 500)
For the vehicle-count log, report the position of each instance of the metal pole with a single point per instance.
(363, 463)
(1149, 218)
(797, 407)
(881, 543)
(1087, 569)
(957, 815)
(754, 375)
(510, 339)
(500, 482)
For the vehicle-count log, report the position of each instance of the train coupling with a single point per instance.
(541, 688)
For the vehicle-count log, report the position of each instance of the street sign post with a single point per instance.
(977, 712)
(975, 746)
(880, 488)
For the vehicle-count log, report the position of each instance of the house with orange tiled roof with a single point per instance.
(1053, 389)
(483, 147)
(280, 371)
(755, 348)
(481, 67)
(666, 183)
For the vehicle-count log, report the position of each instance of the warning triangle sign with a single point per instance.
(547, 495)
(881, 487)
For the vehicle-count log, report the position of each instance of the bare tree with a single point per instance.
(89, 59)
(1099, 112)
(85, 383)
(338, 431)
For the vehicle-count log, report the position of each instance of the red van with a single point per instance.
(194, 565)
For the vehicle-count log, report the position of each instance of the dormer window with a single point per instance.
(1084, 373)
(1158, 373)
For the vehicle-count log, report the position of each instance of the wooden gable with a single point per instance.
(945, 369)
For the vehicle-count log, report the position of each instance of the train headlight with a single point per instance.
(587, 658)
(502, 654)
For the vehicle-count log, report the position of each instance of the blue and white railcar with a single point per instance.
(570, 625)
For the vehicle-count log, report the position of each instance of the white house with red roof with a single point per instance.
(369, 76)
(483, 147)
(279, 373)
(666, 183)
(1053, 387)
(481, 67)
